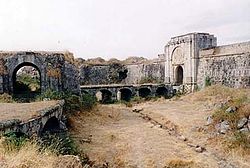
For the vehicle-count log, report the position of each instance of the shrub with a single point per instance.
(25, 80)
(208, 81)
(73, 102)
(240, 139)
(6, 98)
(50, 94)
(58, 143)
(88, 102)
(13, 141)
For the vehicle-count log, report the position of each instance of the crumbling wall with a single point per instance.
(102, 74)
(118, 73)
(57, 69)
(228, 65)
(145, 73)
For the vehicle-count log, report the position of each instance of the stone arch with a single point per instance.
(162, 91)
(106, 96)
(179, 75)
(126, 94)
(14, 75)
(52, 125)
(144, 92)
(177, 57)
(19, 60)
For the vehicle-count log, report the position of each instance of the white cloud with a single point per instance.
(117, 28)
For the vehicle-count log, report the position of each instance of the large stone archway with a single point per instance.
(183, 51)
(57, 70)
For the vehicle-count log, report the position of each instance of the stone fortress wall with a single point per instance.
(116, 73)
(194, 59)
(228, 65)
(188, 60)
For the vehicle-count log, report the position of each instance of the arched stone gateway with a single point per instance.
(26, 80)
(182, 58)
(144, 92)
(106, 96)
(126, 94)
(56, 69)
(162, 91)
(179, 75)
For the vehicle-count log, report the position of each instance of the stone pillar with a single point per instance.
(119, 95)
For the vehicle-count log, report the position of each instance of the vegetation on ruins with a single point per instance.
(28, 82)
(73, 103)
(54, 72)
(208, 81)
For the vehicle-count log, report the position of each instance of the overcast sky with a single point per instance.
(117, 28)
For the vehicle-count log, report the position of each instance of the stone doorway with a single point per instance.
(26, 82)
(179, 75)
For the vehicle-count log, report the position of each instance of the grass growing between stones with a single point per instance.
(235, 140)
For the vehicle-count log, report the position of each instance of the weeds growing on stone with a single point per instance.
(73, 103)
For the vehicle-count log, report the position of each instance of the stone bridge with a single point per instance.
(108, 93)
(47, 119)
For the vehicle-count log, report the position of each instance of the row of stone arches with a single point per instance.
(126, 94)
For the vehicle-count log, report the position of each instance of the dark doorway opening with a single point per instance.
(144, 92)
(179, 75)
(162, 91)
(26, 82)
(106, 96)
(126, 94)
(52, 126)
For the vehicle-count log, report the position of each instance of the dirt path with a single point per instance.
(115, 135)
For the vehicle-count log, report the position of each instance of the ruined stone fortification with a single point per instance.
(228, 65)
(121, 73)
(57, 70)
(188, 60)
(192, 59)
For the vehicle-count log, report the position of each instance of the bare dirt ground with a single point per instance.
(153, 138)
(22, 111)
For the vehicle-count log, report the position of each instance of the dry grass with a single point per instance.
(6, 98)
(27, 157)
(179, 163)
(217, 93)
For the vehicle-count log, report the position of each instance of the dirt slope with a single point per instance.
(115, 135)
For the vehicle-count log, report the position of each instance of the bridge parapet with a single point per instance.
(34, 125)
